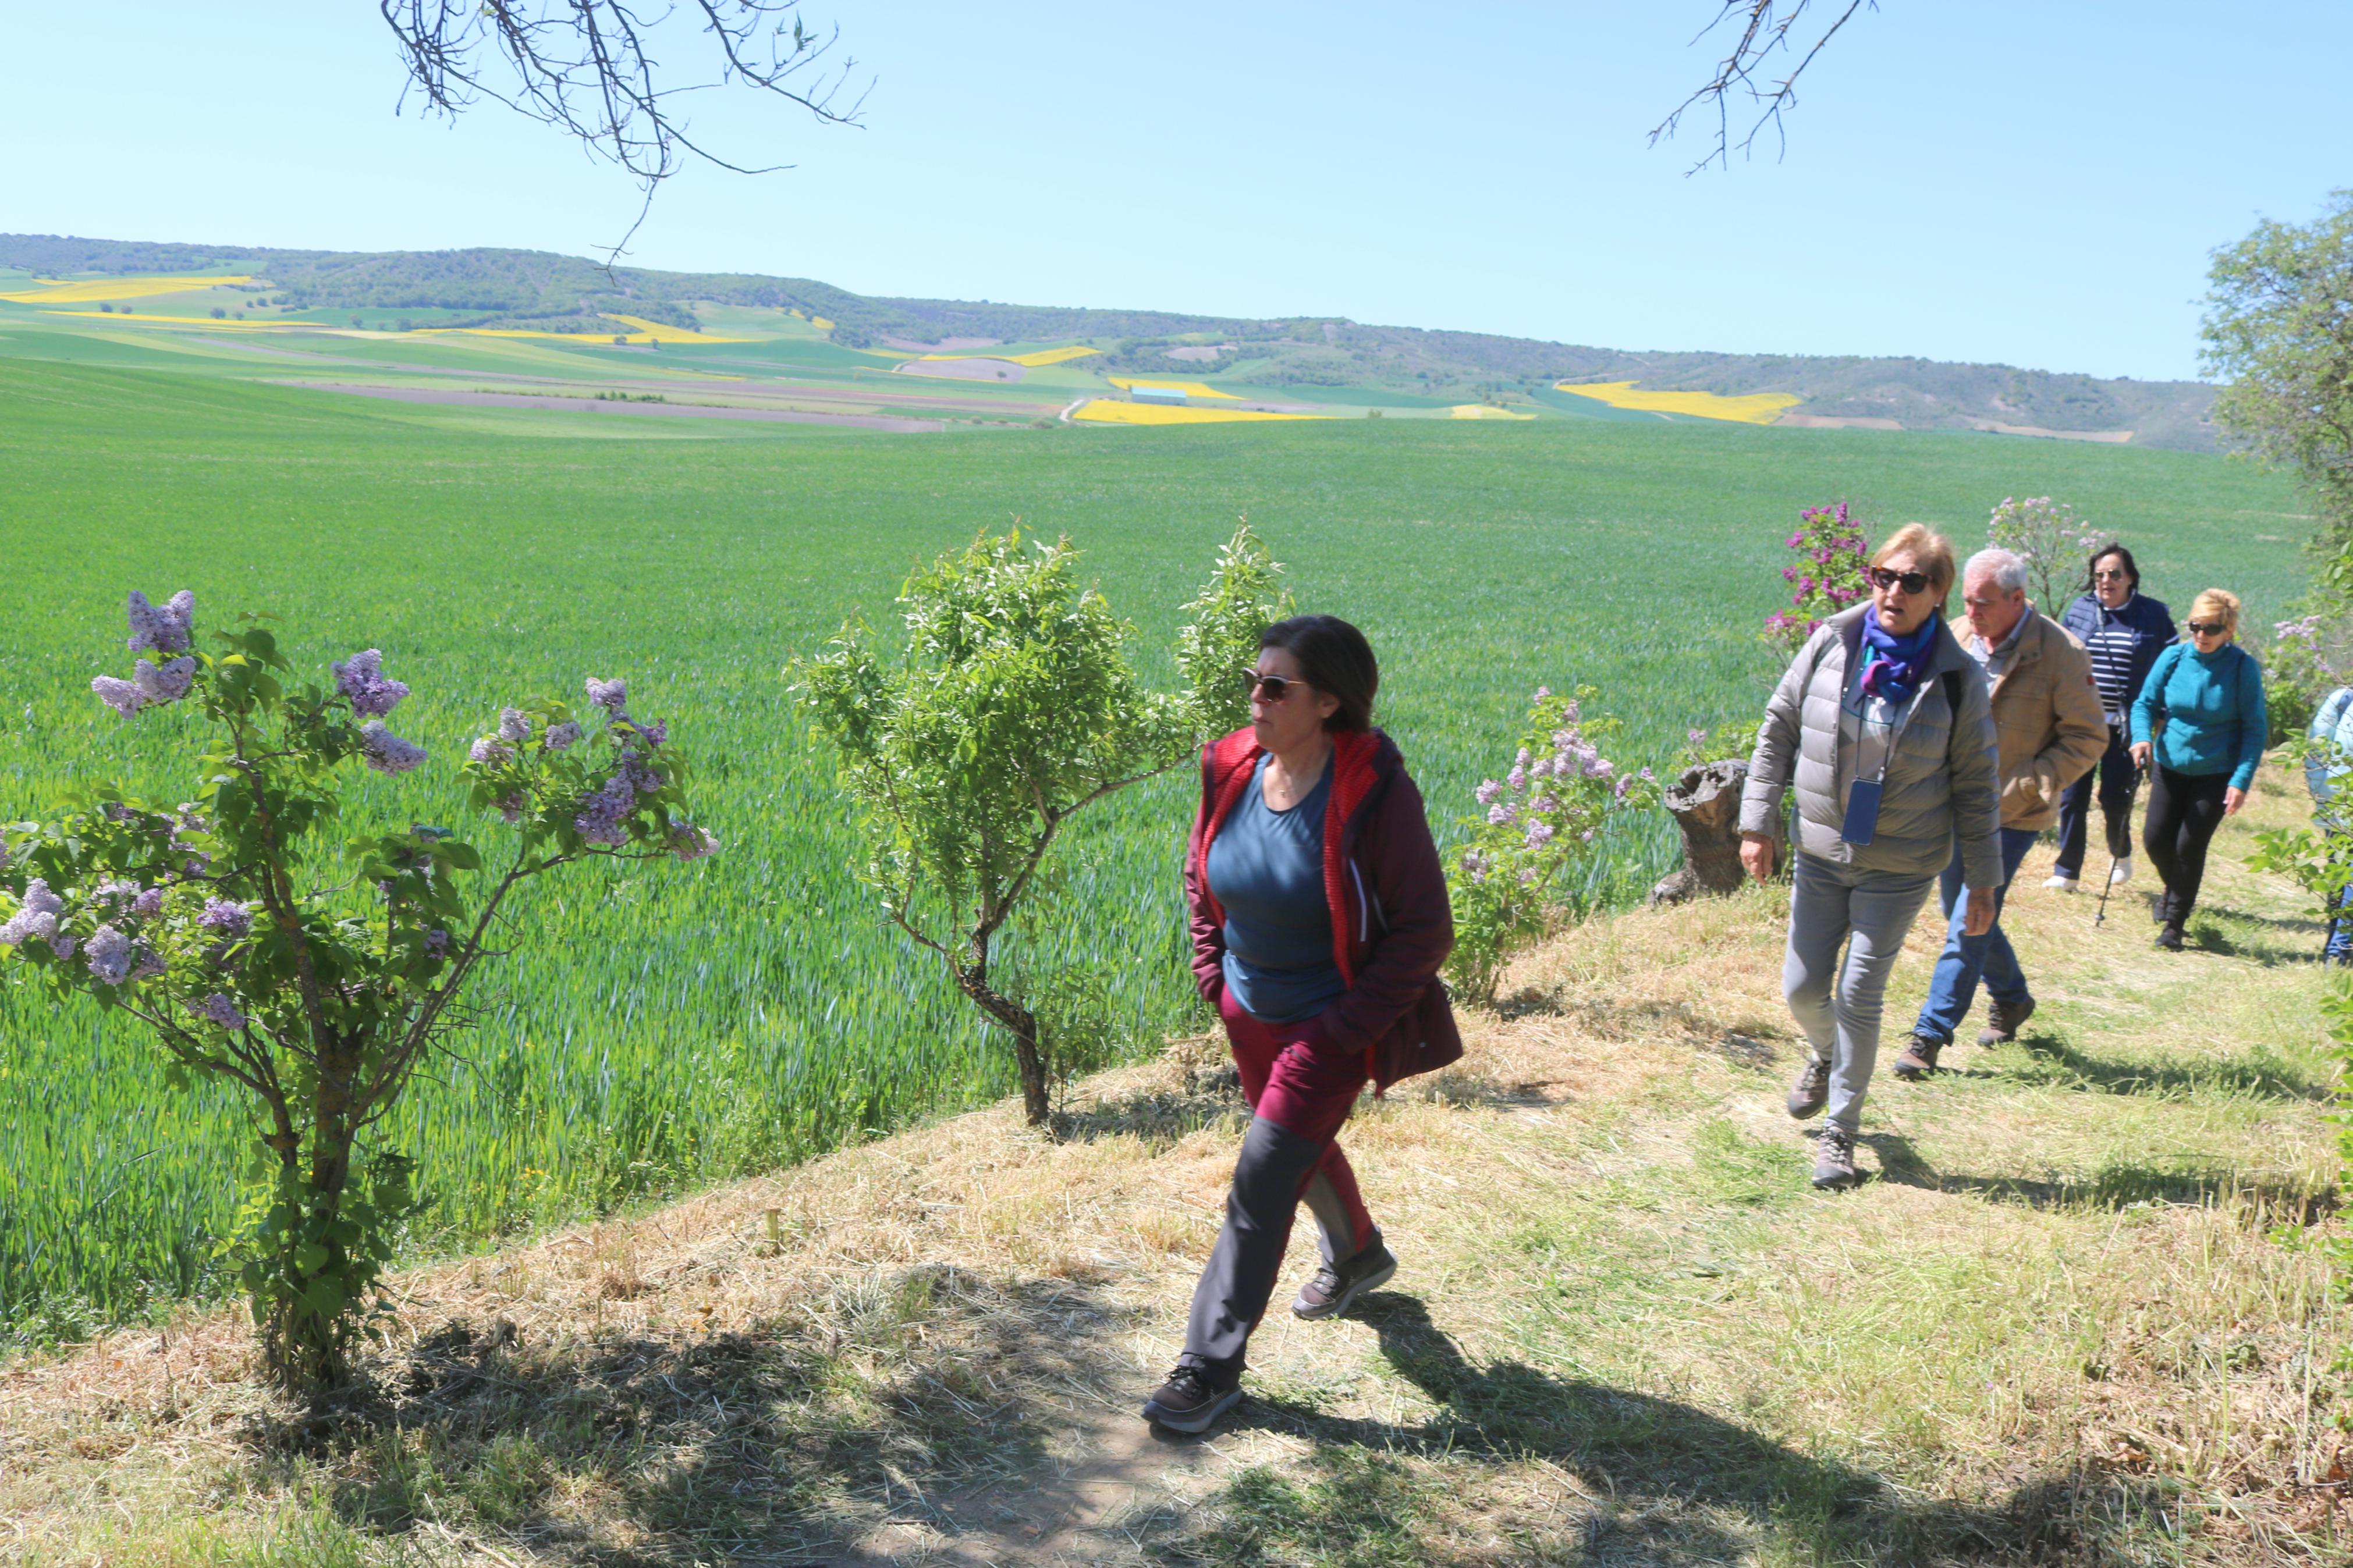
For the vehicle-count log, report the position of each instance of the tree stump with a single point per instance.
(1705, 803)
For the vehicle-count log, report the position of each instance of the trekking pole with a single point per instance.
(2101, 918)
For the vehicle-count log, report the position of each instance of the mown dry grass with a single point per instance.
(2071, 1320)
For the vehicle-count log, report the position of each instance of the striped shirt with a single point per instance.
(2111, 647)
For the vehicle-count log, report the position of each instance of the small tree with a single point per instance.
(1827, 580)
(1542, 820)
(317, 983)
(2049, 537)
(2279, 332)
(1013, 709)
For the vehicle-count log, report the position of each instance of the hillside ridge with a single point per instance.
(490, 287)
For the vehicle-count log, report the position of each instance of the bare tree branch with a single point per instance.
(1764, 27)
(589, 68)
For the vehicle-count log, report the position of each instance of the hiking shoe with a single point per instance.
(1833, 1158)
(2002, 1020)
(1919, 1057)
(1812, 1089)
(2169, 937)
(2060, 883)
(1337, 1286)
(1192, 1399)
(2121, 872)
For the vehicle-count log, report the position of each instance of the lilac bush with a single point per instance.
(1827, 580)
(2049, 537)
(1538, 824)
(315, 976)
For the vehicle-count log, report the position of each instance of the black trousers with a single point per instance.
(2113, 775)
(2184, 810)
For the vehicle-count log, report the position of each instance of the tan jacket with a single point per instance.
(2047, 721)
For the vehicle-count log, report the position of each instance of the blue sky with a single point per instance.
(2036, 183)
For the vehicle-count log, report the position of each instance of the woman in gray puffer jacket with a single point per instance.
(1883, 724)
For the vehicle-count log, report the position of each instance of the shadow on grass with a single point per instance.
(1667, 1481)
(1212, 1095)
(2262, 1074)
(778, 1443)
(2264, 1203)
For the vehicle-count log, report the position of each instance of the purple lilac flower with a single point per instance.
(437, 941)
(1544, 802)
(107, 955)
(655, 733)
(1518, 777)
(491, 751)
(1474, 865)
(63, 945)
(512, 807)
(1646, 777)
(599, 818)
(1543, 693)
(161, 683)
(361, 679)
(1694, 737)
(642, 778)
(609, 695)
(563, 735)
(1487, 792)
(1502, 811)
(1527, 875)
(146, 963)
(1539, 835)
(165, 627)
(36, 915)
(219, 1010)
(690, 843)
(388, 752)
(1625, 782)
(231, 919)
(120, 695)
(514, 725)
(148, 904)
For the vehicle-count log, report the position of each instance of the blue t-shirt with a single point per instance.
(1266, 866)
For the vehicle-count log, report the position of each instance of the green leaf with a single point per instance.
(325, 1296)
(310, 1257)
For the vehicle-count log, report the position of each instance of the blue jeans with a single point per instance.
(1846, 930)
(2340, 932)
(1968, 959)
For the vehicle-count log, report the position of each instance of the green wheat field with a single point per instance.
(675, 1027)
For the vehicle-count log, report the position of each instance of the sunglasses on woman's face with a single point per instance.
(1271, 688)
(1911, 582)
(2209, 628)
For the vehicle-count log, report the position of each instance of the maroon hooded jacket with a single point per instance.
(1391, 924)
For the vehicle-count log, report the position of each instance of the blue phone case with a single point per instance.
(1861, 812)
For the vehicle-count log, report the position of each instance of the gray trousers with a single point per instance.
(1271, 1179)
(1838, 1004)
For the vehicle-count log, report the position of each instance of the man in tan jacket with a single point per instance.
(2051, 730)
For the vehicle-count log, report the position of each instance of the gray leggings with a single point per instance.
(1838, 1005)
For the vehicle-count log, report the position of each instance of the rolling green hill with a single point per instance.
(518, 290)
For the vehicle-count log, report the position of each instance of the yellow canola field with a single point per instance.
(819, 322)
(1042, 356)
(1106, 411)
(129, 319)
(1483, 411)
(91, 291)
(1190, 388)
(1753, 408)
(641, 328)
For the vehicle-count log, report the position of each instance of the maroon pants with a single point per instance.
(1301, 1090)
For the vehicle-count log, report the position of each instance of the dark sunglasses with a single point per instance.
(1271, 688)
(1912, 581)
(2208, 628)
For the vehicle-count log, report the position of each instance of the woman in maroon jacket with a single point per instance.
(1320, 920)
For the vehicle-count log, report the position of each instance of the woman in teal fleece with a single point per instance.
(2209, 694)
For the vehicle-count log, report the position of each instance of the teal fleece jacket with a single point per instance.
(2212, 705)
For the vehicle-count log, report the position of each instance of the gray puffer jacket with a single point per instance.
(1941, 773)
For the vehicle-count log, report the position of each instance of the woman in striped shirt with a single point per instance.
(2124, 630)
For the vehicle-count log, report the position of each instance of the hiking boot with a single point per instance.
(2169, 937)
(2060, 883)
(1192, 1399)
(1833, 1158)
(1919, 1057)
(2003, 1019)
(1337, 1286)
(2121, 872)
(1812, 1089)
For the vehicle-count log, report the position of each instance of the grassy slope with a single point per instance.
(2054, 1329)
(490, 553)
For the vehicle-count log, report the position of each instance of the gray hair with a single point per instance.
(2006, 567)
